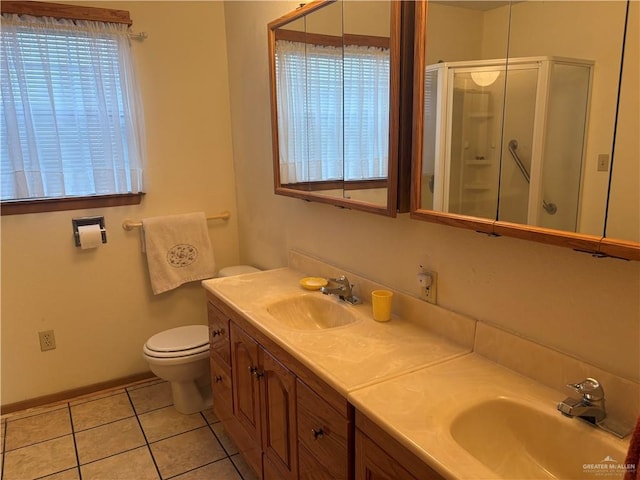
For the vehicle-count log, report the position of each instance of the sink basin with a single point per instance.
(311, 312)
(518, 441)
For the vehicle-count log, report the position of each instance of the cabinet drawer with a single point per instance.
(221, 387)
(310, 468)
(219, 333)
(380, 456)
(372, 462)
(324, 432)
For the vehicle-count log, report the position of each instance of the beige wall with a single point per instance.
(444, 43)
(99, 302)
(583, 306)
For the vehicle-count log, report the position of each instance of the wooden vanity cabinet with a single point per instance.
(287, 422)
(220, 360)
(264, 401)
(381, 457)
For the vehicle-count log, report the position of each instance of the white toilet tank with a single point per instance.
(236, 270)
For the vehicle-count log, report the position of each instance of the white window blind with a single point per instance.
(366, 112)
(72, 122)
(338, 98)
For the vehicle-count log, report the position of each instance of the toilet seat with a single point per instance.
(178, 342)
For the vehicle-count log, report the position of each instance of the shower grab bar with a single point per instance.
(130, 224)
(550, 208)
(513, 146)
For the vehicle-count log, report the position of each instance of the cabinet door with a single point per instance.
(269, 472)
(246, 395)
(278, 392)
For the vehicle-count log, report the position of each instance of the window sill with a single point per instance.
(20, 207)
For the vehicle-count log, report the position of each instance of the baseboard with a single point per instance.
(74, 392)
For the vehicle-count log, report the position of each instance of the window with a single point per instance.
(72, 123)
(339, 95)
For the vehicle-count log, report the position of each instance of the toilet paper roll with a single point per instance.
(90, 236)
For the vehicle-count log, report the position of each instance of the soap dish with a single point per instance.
(313, 283)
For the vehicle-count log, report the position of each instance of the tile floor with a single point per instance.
(130, 433)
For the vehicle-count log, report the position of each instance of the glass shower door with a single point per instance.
(474, 119)
(519, 149)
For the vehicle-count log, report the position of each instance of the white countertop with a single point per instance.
(426, 403)
(347, 357)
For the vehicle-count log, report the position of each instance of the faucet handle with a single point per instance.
(590, 389)
(339, 279)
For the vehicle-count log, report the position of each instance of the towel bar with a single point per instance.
(130, 224)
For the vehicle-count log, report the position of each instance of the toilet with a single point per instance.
(181, 357)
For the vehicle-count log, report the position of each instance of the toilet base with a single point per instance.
(190, 398)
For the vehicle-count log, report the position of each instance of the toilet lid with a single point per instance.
(180, 339)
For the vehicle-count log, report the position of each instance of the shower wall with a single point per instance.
(564, 145)
(546, 112)
(519, 120)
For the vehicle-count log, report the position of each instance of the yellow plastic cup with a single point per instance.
(381, 300)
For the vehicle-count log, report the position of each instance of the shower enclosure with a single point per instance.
(506, 139)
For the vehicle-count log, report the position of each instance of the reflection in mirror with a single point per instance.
(532, 146)
(571, 146)
(545, 116)
(367, 61)
(623, 211)
(335, 93)
(335, 103)
(463, 103)
(308, 59)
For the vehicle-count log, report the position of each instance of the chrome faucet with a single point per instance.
(343, 289)
(590, 407)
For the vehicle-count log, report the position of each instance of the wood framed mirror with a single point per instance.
(335, 103)
(519, 118)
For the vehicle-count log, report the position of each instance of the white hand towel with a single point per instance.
(178, 250)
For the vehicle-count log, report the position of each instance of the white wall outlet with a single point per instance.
(428, 281)
(47, 340)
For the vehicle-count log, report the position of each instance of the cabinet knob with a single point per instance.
(217, 333)
(257, 373)
(218, 378)
(317, 433)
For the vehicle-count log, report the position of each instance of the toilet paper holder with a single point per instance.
(84, 221)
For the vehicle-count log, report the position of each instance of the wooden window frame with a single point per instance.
(71, 12)
(332, 40)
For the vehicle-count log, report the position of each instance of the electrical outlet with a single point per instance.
(603, 162)
(47, 340)
(428, 281)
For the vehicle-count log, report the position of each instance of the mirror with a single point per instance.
(516, 102)
(334, 100)
(464, 86)
(623, 212)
